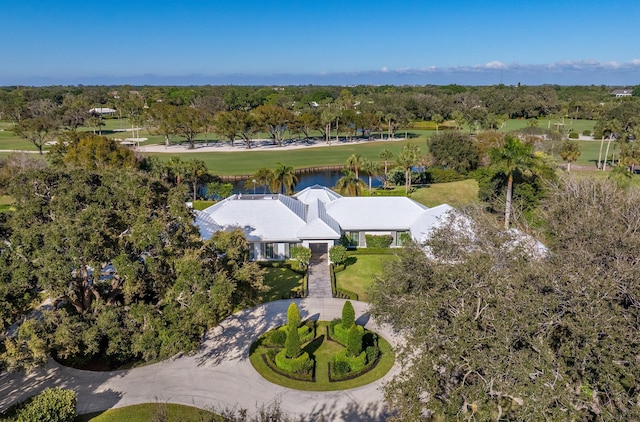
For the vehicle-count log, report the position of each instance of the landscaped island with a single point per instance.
(321, 355)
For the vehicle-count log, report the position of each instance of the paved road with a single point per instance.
(218, 376)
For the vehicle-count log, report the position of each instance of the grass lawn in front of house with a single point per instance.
(281, 281)
(358, 276)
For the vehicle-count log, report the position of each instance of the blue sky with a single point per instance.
(320, 42)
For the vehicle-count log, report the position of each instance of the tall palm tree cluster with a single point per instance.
(281, 179)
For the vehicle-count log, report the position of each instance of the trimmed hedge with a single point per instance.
(371, 251)
(356, 363)
(300, 365)
(52, 404)
(339, 333)
(378, 241)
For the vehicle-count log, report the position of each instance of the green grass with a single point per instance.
(322, 355)
(247, 162)
(358, 275)
(201, 205)
(281, 281)
(151, 411)
(456, 194)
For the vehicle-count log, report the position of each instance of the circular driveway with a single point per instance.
(218, 376)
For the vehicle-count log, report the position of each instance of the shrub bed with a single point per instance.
(300, 365)
(271, 364)
(378, 241)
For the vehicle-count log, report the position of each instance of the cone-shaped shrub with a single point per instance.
(293, 316)
(354, 342)
(348, 315)
(292, 344)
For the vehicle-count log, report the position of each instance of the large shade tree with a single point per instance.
(499, 328)
(120, 253)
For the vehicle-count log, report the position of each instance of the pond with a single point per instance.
(327, 178)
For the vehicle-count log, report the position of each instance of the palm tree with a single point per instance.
(263, 177)
(386, 155)
(283, 179)
(349, 184)
(514, 156)
(370, 169)
(569, 152)
(354, 162)
(408, 158)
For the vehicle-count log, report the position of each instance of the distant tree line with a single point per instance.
(237, 113)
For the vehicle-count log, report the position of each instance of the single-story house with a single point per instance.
(318, 218)
(103, 111)
(618, 93)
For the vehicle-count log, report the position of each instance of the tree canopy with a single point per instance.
(499, 331)
(118, 254)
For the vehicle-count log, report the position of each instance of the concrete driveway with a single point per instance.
(218, 376)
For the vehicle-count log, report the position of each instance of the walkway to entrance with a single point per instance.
(319, 277)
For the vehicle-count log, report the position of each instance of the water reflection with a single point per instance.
(326, 178)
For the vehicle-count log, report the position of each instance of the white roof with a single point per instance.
(317, 213)
(422, 227)
(102, 110)
(319, 224)
(268, 218)
(322, 193)
(375, 213)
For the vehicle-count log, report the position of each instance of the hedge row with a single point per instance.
(378, 241)
(300, 365)
(372, 251)
(269, 360)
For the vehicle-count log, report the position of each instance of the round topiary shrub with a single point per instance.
(299, 365)
(356, 363)
(372, 353)
(586, 132)
(341, 368)
(339, 333)
(574, 135)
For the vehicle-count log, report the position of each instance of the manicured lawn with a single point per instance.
(358, 276)
(152, 412)
(282, 281)
(247, 162)
(456, 194)
(323, 354)
(201, 205)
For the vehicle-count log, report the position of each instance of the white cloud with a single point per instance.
(494, 65)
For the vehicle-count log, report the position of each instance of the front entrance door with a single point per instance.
(318, 248)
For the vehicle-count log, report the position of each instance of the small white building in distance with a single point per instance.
(103, 111)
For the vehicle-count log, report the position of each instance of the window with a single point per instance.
(270, 250)
(402, 238)
(353, 238)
